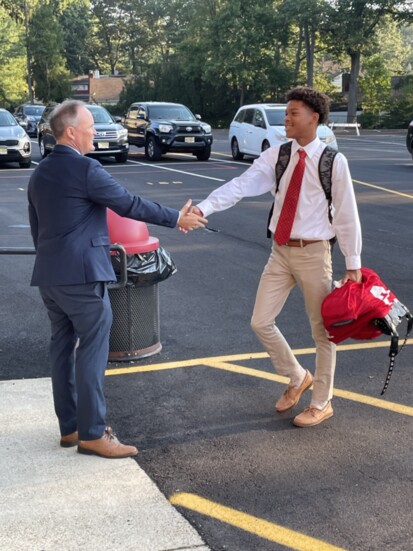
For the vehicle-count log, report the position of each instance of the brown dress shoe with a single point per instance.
(107, 446)
(313, 416)
(292, 394)
(69, 440)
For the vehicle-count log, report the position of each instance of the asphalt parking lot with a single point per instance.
(202, 411)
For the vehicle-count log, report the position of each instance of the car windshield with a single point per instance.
(100, 116)
(171, 112)
(275, 116)
(6, 119)
(34, 110)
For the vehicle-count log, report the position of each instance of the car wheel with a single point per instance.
(205, 154)
(265, 145)
(121, 157)
(236, 153)
(152, 150)
(43, 151)
(25, 164)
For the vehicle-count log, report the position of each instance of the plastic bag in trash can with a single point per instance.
(147, 268)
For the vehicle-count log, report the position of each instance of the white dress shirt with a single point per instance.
(311, 219)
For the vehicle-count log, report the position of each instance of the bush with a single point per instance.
(370, 120)
(400, 111)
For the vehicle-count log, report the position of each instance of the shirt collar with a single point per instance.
(310, 148)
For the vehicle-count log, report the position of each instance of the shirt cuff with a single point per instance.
(205, 208)
(353, 262)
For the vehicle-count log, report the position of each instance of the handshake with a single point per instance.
(191, 218)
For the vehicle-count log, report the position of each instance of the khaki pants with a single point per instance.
(310, 268)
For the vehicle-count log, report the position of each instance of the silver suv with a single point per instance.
(111, 139)
(15, 145)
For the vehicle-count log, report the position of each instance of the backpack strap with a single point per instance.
(325, 172)
(388, 327)
(284, 156)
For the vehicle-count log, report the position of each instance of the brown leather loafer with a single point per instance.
(313, 416)
(69, 440)
(292, 394)
(108, 446)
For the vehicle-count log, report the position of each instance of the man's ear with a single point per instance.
(70, 132)
(316, 118)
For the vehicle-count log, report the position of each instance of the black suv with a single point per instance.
(28, 115)
(111, 138)
(160, 127)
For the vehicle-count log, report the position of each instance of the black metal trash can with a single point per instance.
(135, 331)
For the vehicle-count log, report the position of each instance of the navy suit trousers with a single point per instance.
(81, 318)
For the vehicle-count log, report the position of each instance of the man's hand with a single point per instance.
(351, 275)
(190, 220)
(197, 211)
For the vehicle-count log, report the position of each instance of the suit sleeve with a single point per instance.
(34, 224)
(105, 190)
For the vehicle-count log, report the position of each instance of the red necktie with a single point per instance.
(285, 222)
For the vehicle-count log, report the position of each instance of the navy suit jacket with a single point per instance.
(68, 195)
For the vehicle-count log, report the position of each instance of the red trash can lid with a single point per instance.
(131, 234)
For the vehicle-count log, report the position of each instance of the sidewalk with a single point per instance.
(53, 499)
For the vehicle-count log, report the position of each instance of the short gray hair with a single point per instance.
(64, 115)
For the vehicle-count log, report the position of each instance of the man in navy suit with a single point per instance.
(68, 195)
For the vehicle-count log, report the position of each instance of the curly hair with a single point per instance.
(317, 101)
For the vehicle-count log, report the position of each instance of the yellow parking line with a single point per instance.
(259, 527)
(347, 395)
(384, 189)
(225, 363)
(236, 358)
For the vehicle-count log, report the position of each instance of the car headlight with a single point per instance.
(282, 138)
(329, 139)
(122, 133)
(207, 128)
(165, 128)
(25, 145)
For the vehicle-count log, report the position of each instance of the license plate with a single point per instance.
(103, 145)
(190, 139)
(3, 150)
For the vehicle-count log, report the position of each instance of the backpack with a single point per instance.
(364, 311)
(325, 170)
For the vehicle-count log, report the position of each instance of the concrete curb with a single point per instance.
(53, 498)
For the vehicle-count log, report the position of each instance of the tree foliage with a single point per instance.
(213, 55)
(50, 75)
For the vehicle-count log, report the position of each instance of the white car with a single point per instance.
(257, 127)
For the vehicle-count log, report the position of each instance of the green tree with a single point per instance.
(107, 39)
(75, 21)
(351, 26)
(390, 59)
(301, 22)
(13, 87)
(400, 112)
(52, 79)
(241, 46)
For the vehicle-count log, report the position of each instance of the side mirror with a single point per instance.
(117, 119)
(198, 117)
(23, 124)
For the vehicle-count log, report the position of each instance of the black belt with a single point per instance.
(301, 242)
